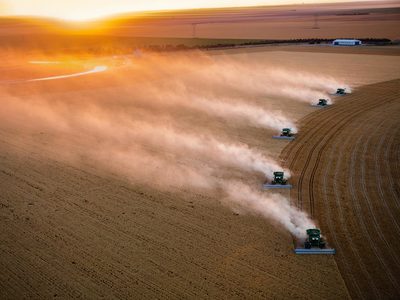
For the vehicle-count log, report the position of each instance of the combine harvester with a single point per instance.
(314, 244)
(340, 92)
(321, 103)
(279, 182)
(286, 134)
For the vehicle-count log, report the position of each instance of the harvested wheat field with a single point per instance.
(143, 180)
(133, 165)
(346, 173)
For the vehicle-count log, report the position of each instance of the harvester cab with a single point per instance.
(279, 181)
(279, 178)
(286, 134)
(314, 239)
(314, 244)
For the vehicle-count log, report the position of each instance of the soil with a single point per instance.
(345, 163)
(76, 229)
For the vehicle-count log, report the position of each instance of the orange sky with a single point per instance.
(87, 9)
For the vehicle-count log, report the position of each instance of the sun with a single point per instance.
(79, 17)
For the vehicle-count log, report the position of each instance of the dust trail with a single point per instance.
(237, 195)
(111, 131)
(235, 111)
(228, 108)
(282, 84)
(142, 166)
(187, 145)
(309, 81)
(253, 114)
(122, 131)
(273, 76)
(271, 206)
(97, 69)
(207, 148)
(111, 146)
(251, 79)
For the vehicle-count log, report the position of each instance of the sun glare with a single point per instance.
(79, 17)
(87, 10)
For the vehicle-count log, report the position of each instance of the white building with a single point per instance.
(340, 42)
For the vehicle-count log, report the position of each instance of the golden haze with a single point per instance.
(91, 9)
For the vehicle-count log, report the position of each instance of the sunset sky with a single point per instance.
(87, 9)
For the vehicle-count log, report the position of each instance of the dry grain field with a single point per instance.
(140, 175)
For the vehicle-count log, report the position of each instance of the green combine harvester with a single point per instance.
(286, 134)
(321, 103)
(341, 91)
(279, 182)
(314, 244)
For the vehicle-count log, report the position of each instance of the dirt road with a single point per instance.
(346, 167)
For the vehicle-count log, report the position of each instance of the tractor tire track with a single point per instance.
(333, 131)
(380, 153)
(348, 235)
(286, 153)
(359, 213)
(343, 225)
(393, 148)
(353, 284)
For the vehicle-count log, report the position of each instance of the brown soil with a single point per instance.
(345, 163)
(79, 230)
(74, 231)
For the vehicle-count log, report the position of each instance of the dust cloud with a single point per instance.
(256, 79)
(274, 206)
(138, 133)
